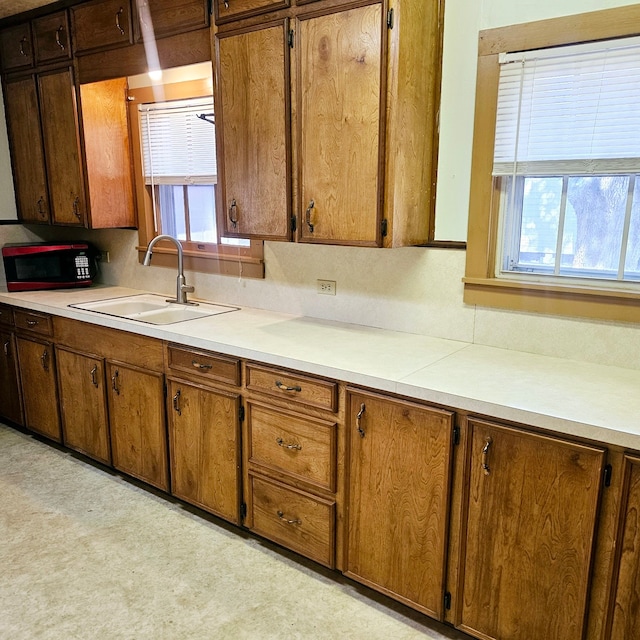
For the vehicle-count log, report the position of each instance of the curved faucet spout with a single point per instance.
(181, 285)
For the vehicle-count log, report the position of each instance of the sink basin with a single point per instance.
(153, 309)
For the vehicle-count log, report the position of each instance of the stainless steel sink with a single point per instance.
(153, 309)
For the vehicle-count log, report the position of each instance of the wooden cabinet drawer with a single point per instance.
(226, 10)
(295, 519)
(313, 392)
(302, 447)
(6, 316)
(204, 363)
(16, 48)
(102, 24)
(51, 35)
(31, 321)
(161, 18)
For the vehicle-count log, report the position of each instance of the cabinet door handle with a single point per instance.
(22, 43)
(176, 403)
(485, 455)
(233, 213)
(291, 447)
(114, 382)
(32, 323)
(118, 13)
(226, 4)
(6, 348)
(41, 211)
(307, 216)
(286, 520)
(59, 30)
(284, 387)
(199, 365)
(44, 359)
(94, 379)
(76, 207)
(361, 431)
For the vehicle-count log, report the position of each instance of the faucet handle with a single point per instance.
(187, 288)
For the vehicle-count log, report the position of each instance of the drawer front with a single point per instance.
(279, 383)
(16, 48)
(297, 520)
(301, 447)
(51, 35)
(162, 18)
(227, 10)
(101, 25)
(31, 321)
(6, 316)
(203, 363)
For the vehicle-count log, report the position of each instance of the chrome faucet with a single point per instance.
(181, 286)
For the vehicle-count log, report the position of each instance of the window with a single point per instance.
(554, 220)
(176, 179)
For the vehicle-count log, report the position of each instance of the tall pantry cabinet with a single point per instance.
(326, 115)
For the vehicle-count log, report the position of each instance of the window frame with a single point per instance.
(199, 257)
(482, 287)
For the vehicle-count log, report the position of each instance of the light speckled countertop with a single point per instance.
(570, 397)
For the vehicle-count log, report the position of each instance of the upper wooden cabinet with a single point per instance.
(16, 47)
(51, 35)
(227, 10)
(160, 18)
(101, 24)
(357, 129)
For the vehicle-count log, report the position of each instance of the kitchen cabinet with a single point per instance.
(204, 430)
(226, 10)
(83, 403)
(161, 18)
(36, 361)
(624, 617)
(101, 24)
(531, 508)
(51, 35)
(359, 125)
(291, 461)
(10, 392)
(16, 47)
(398, 498)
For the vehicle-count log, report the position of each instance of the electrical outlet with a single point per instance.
(327, 287)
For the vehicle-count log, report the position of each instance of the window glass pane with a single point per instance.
(170, 210)
(539, 224)
(632, 260)
(202, 213)
(592, 238)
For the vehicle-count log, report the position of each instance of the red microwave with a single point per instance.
(49, 265)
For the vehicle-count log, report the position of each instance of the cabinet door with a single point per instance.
(51, 34)
(16, 50)
(27, 151)
(398, 498)
(83, 404)
(205, 448)
(160, 18)
(340, 107)
(39, 391)
(530, 525)
(102, 24)
(137, 421)
(625, 618)
(253, 139)
(10, 399)
(62, 147)
(226, 10)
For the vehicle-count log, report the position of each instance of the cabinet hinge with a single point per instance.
(606, 476)
(456, 435)
(243, 511)
(290, 38)
(241, 414)
(210, 7)
(390, 19)
(384, 225)
(447, 600)
(294, 224)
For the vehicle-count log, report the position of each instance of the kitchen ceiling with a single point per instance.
(11, 7)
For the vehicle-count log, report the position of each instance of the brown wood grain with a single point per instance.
(253, 132)
(530, 526)
(16, 47)
(161, 18)
(204, 432)
(101, 24)
(398, 498)
(203, 364)
(234, 9)
(51, 36)
(83, 404)
(10, 391)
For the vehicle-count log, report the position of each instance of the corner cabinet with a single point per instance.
(345, 155)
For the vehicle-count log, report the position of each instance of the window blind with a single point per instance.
(178, 147)
(569, 110)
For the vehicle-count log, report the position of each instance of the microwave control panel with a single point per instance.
(82, 267)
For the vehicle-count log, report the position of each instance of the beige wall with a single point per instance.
(415, 289)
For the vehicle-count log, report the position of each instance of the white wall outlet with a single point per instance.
(327, 287)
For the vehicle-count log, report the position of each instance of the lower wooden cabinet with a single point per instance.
(138, 432)
(530, 521)
(83, 404)
(204, 441)
(39, 389)
(10, 393)
(398, 498)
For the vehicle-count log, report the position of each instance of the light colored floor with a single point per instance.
(87, 555)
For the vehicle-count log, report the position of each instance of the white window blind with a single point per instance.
(178, 147)
(570, 110)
